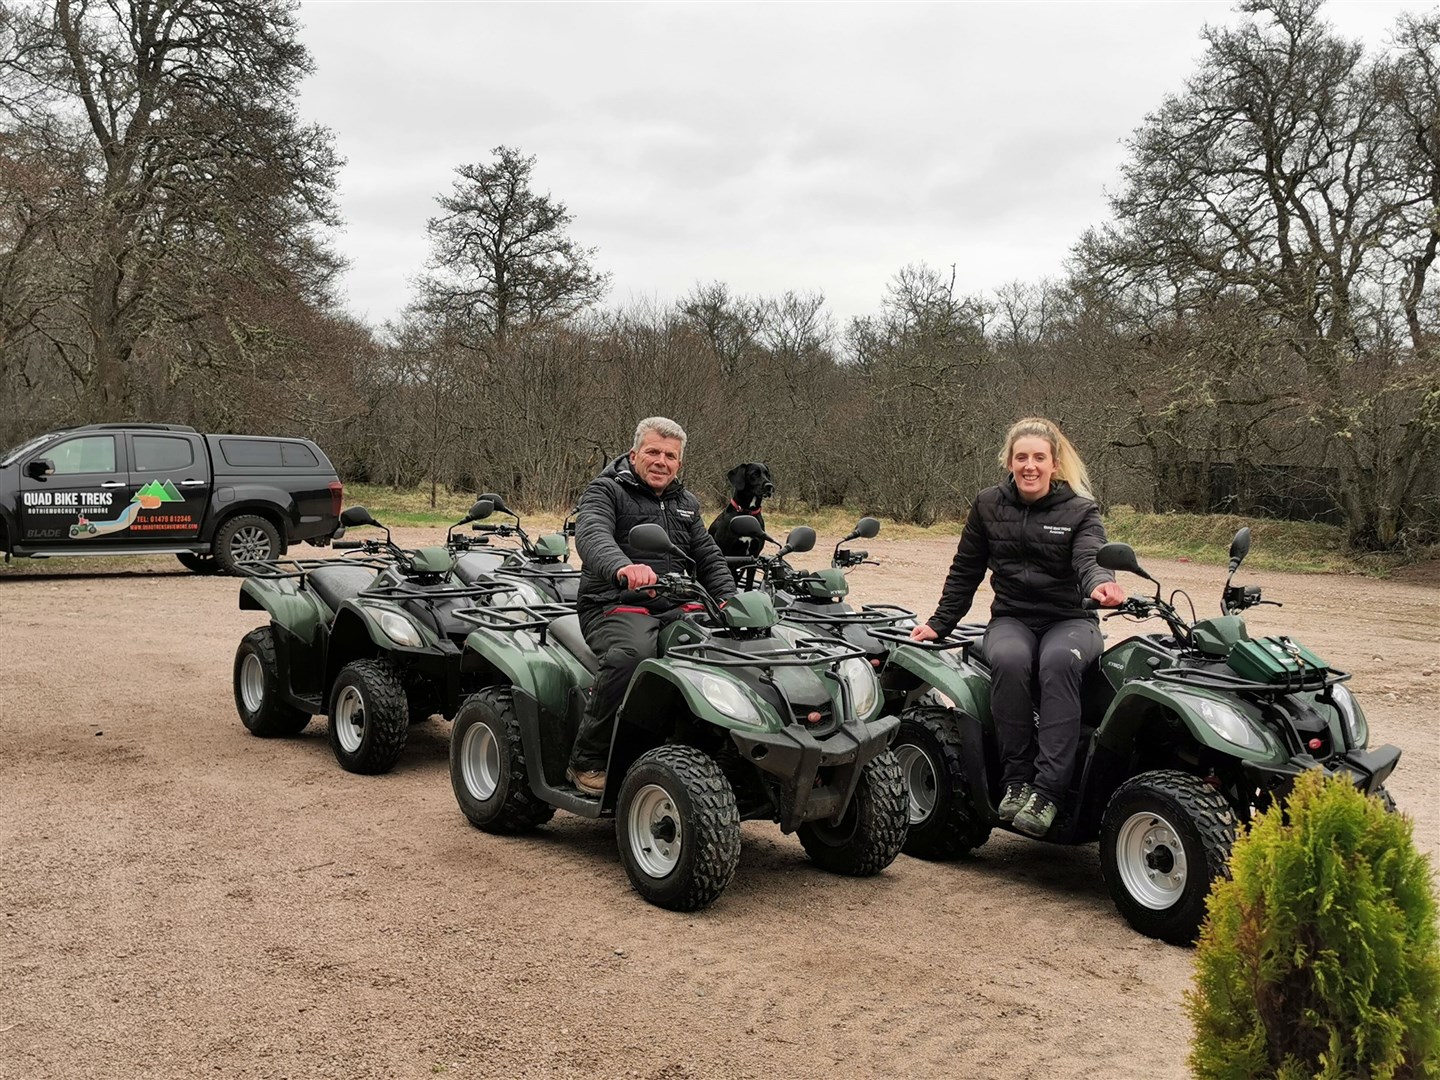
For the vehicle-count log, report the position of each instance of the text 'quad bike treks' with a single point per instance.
(1185, 735)
(373, 642)
(738, 718)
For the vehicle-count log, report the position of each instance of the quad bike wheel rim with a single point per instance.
(250, 543)
(480, 762)
(1151, 860)
(654, 832)
(252, 683)
(349, 719)
(919, 773)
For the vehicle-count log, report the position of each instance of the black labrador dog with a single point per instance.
(749, 486)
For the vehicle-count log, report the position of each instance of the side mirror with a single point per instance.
(1117, 556)
(39, 468)
(867, 528)
(1239, 548)
(801, 539)
(482, 509)
(357, 515)
(651, 537)
(745, 525)
(496, 502)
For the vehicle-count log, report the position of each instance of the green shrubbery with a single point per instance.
(1319, 957)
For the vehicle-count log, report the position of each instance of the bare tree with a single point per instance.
(182, 171)
(501, 255)
(1286, 181)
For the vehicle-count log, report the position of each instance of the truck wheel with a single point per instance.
(678, 828)
(487, 766)
(943, 820)
(257, 689)
(1165, 836)
(198, 564)
(245, 538)
(369, 720)
(872, 830)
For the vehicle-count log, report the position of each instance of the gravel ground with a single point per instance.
(178, 898)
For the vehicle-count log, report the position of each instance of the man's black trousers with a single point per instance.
(621, 640)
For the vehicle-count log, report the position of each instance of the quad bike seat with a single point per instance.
(566, 630)
(336, 584)
(474, 565)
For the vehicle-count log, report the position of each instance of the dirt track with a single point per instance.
(179, 898)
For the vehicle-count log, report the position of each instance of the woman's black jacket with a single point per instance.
(1041, 557)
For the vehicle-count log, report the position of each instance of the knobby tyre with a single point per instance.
(678, 828)
(943, 820)
(872, 830)
(369, 717)
(488, 770)
(258, 698)
(1165, 837)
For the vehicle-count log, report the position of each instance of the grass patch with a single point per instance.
(1295, 546)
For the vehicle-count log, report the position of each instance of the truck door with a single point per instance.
(85, 500)
(170, 476)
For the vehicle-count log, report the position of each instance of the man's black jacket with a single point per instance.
(614, 503)
(1041, 556)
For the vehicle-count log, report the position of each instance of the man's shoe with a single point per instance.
(1036, 816)
(1016, 795)
(590, 781)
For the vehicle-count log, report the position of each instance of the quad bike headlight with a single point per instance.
(864, 687)
(399, 629)
(1357, 728)
(1229, 724)
(727, 698)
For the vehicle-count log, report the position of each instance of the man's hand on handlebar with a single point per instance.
(1108, 594)
(923, 632)
(636, 576)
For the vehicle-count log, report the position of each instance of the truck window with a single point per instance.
(250, 453)
(298, 455)
(91, 454)
(159, 453)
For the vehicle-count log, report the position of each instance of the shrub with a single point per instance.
(1319, 955)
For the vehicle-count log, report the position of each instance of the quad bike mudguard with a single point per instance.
(299, 611)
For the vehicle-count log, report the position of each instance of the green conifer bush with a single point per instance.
(1319, 954)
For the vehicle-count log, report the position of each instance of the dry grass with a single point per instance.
(1300, 547)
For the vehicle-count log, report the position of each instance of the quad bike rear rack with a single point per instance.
(868, 615)
(299, 569)
(512, 618)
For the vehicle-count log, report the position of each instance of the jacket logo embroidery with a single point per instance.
(1057, 530)
(683, 513)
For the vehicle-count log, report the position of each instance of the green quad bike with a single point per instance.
(540, 565)
(814, 600)
(371, 642)
(737, 719)
(1184, 735)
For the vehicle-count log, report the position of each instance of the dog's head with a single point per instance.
(749, 484)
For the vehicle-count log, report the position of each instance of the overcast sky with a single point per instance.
(771, 146)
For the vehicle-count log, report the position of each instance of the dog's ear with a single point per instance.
(736, 478)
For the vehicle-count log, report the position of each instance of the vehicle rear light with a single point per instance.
(337, 496)
(1316, 744)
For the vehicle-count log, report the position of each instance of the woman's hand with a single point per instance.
(923, 632)
(1108, 594)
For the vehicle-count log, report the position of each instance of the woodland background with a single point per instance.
(1254, 330)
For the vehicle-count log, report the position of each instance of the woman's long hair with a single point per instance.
(1068, 466)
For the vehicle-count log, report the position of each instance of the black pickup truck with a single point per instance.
(147, 489)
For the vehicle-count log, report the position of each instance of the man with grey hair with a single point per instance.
(620, 621)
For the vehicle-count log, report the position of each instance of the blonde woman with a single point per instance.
(1037, 532)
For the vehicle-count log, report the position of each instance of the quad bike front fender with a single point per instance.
(1218, 722)
(966, 688)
